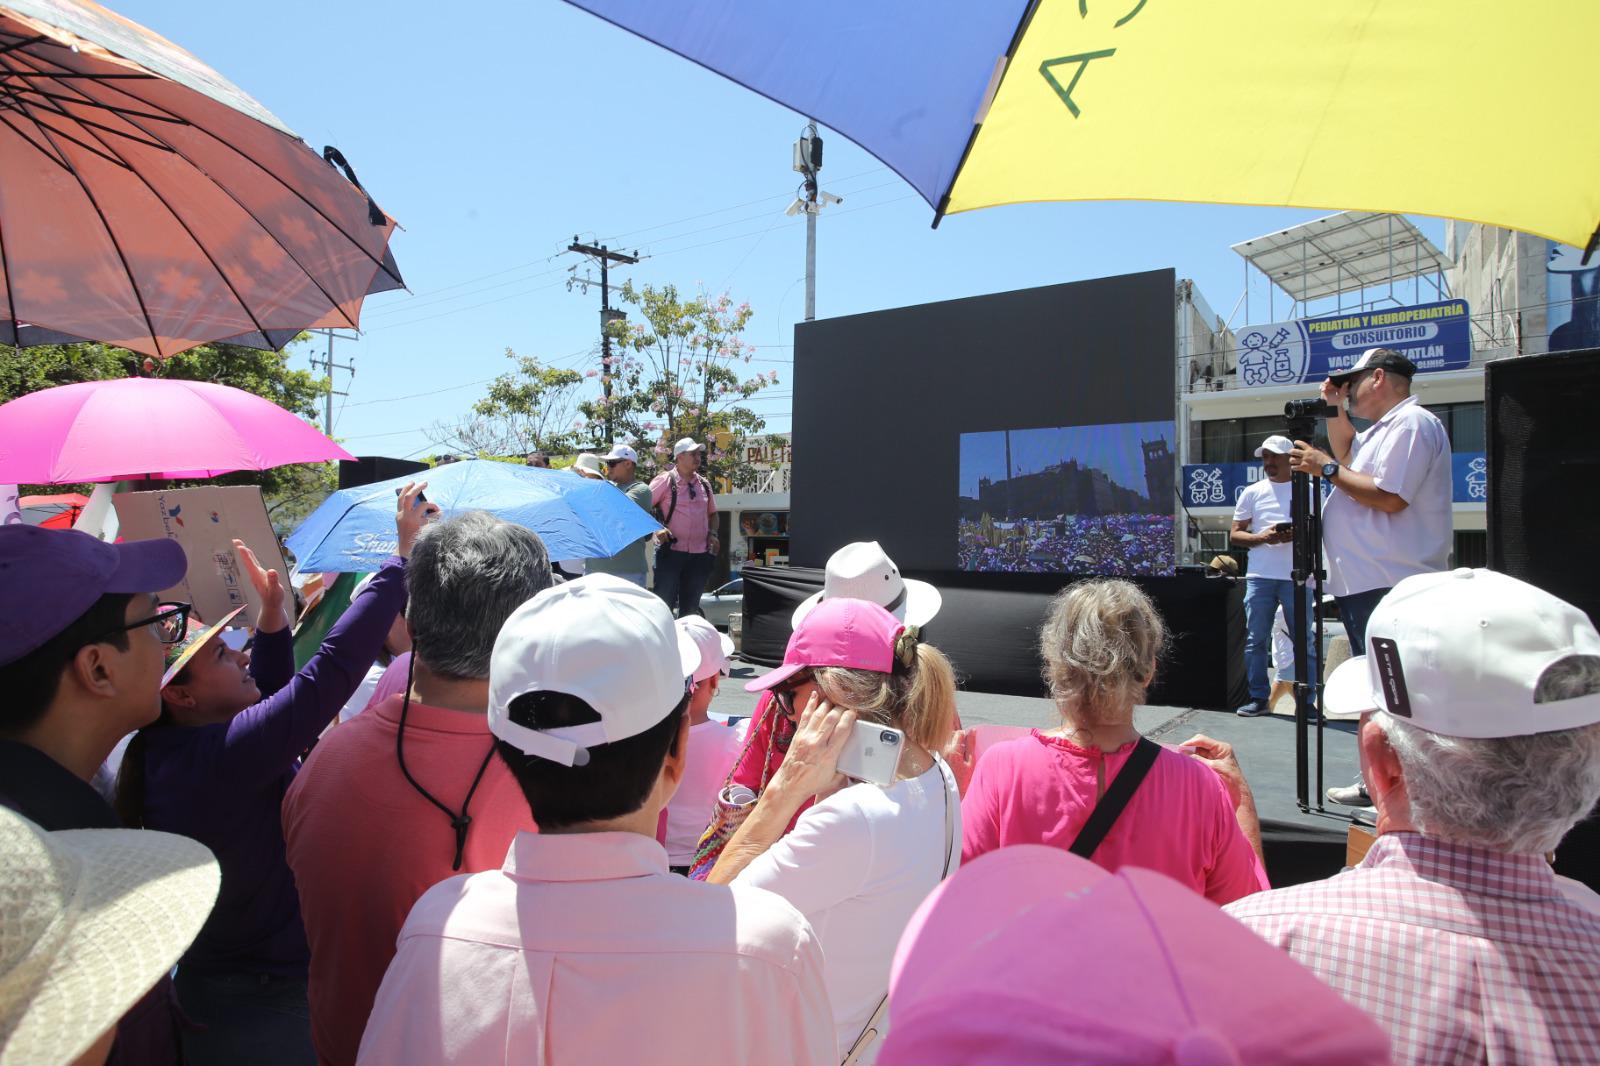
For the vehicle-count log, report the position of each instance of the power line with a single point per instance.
(723, 210)
(433, 297)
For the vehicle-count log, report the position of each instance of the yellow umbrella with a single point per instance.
(1469, 109)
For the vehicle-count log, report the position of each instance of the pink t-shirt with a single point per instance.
(1040, 789)
(364, 846)
(691, 519)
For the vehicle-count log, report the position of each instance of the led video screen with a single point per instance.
(902, 417)
(1068, 499)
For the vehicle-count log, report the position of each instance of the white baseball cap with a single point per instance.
(604, 640)
(712, 646)
(863, 571)
(687, 444)
(1277, 445)
(1460, 653)
(618, 453)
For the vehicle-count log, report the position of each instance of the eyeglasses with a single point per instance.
(170, 623)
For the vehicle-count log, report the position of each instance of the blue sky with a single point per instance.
(1113, 448)
(495, 140)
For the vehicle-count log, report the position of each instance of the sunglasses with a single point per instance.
(784, 696)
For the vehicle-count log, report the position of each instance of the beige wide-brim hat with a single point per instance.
(864, 571)
(89, 921)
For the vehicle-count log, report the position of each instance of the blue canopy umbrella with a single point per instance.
(577, 518)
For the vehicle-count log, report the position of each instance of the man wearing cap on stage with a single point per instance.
(1260, 525)
(621, 467)
(688, 546)
(1388, 516)
(583, 947)
(82, 645)
(1479, 700)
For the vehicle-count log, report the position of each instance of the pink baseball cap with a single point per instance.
(849, 633)
(1031, 955)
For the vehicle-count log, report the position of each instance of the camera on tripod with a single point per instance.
(1313, 408)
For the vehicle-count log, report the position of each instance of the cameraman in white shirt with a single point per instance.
(1388, 516)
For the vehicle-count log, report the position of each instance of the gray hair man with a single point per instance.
(1479, 699)
(406, 794)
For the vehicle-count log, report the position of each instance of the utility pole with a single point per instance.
(810, 199)
(328, 366)
(606, 257)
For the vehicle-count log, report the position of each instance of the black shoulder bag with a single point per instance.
(1106, 812)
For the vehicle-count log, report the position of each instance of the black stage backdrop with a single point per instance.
(881, 401)
(989, 626)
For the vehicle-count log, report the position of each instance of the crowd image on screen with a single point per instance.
(1122, 544)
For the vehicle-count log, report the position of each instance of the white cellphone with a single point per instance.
(872, 753)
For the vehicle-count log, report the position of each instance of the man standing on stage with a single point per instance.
(1388, 516)
(1261, 526)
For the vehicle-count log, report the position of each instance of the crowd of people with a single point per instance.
(535, 841)
(1128, 544)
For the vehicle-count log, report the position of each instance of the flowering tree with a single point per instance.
(681, 372)
(530, 409)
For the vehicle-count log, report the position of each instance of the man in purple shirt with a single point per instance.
(215, 767)
(81, 637)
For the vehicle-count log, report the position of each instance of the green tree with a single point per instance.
(291, 492)
(680, 373)
(529, 409)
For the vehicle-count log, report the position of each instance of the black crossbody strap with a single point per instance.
(1106, 812)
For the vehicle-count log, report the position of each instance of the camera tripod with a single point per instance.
(1305, 513)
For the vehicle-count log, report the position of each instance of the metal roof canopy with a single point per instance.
(1346, 252)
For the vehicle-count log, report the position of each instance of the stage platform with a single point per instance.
(1300, 846)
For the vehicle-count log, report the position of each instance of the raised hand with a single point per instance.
(269, 587)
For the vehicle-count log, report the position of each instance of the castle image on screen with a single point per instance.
(1069, 499)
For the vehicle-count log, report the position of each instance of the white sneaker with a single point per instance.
(1350, 795)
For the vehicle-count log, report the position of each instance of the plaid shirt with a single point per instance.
(1464, 955)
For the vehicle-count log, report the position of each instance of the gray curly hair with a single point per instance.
(1100, 646)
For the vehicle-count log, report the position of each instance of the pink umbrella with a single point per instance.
(149, 427)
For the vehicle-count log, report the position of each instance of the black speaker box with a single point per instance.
(1544, 472)
(369, 468)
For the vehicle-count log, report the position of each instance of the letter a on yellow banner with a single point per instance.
(1472, 109)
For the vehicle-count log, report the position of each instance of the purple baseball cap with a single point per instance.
(49, 577)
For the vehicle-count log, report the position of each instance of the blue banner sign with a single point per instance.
(1435, 336)
(1219, 484)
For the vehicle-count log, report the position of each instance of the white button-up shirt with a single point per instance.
(584, 949)
(1407, 453)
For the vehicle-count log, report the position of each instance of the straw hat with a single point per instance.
(89, 920)
(179, 654)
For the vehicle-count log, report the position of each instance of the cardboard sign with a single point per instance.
(205, 521)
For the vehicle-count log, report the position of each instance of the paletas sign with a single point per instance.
(1435, 336)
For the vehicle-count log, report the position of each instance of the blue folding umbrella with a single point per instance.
(353, 530)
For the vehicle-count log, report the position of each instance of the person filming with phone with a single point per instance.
(1261, 526)
(1388, 517)
(873, 704)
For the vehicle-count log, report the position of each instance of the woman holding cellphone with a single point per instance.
(860, 860)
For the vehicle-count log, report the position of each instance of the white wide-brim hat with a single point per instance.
(92, 919)
(863, 571)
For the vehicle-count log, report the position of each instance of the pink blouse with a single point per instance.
(1039, 789)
